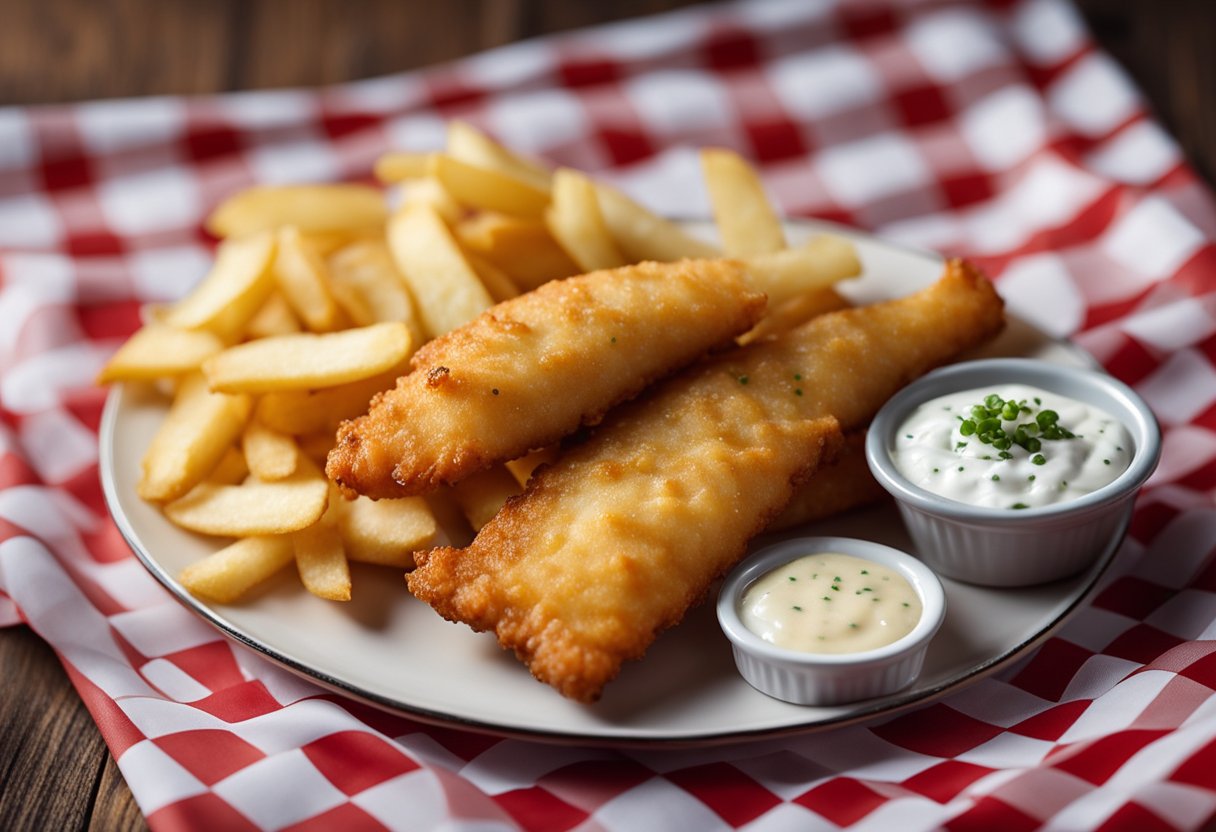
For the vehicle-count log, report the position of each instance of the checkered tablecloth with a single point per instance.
(993, 130)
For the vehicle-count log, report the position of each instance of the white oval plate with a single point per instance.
(389, 649)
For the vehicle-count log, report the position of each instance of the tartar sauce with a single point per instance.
(831, 603)
(1011, 446)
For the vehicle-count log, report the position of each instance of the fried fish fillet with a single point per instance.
(615, 540)
(533, 369)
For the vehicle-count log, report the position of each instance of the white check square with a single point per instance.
(868, 170)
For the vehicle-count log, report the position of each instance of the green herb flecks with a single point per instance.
(987, 424)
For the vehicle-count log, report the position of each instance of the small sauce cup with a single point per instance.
(829, 678)
(1000, 546)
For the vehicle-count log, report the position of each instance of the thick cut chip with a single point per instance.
(304, 361)
(321, 559)
(230, 470)
(643, 235)
(199, 429)
(487, 189)
(576, 222)
(156, 351)
(366, 283)
(386, 532)
(469, 145)
(523, 467)
(273, 318)
(523, 248)
(229, 573)
(355, 208)
(497, 282)
(809, 268)
(269, 454)
(746, 220)
(303, 279)
(429, 192)
(400, 166)
(252, 508)
(301, 412)
(237, 285)
(481, 495)
(447, 289)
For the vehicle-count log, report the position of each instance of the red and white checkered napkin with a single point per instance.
(992, 130)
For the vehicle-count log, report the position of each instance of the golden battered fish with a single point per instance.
(615, 540)
(532, 369)
(842, 484)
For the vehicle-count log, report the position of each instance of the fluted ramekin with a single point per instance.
(1003, 547)
(830, 678)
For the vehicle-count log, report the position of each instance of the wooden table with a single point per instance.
(55, 771)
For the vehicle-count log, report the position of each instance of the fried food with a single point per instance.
(615, 540)
(844, 483)
(533, 369)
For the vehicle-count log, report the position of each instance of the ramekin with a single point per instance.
(1003, 547)
(830, 678)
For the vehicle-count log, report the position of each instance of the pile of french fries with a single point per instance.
(319, 295)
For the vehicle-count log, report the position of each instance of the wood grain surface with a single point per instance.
(55, 771)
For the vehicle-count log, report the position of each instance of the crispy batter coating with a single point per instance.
(616, 539)
(842, 484)
(533, 369)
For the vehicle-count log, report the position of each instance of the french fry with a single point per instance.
(230, 470)
(302, 277)
(270, 455)
(321, 560)
(643, 235)
(199, 429)
(488, 189)
(273, 318)
(226, 575)
(252, 508)
(466, 143)
(352, 208)
(811, 267)
(481, 495)
(747, 223)
(156, 351)
(794, 312)
(523, 248)
(306, 360)
(445, 287)
(429, 192)
(302, 412)
(234, 289)
(400, 166)
(386, 532)
(523, 467)
(366, 283)
(575, 221)
(497, 282)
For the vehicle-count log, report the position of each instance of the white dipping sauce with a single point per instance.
(932, 451)
(831, 603)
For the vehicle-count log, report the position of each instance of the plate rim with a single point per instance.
(877, 708)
